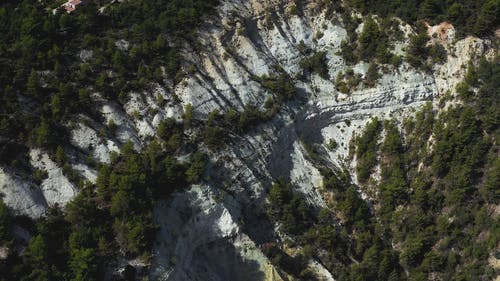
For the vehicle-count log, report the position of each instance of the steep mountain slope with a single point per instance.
(276, 149)
(219, 228)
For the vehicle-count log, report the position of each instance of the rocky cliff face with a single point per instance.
(213, 231)
(238, 48)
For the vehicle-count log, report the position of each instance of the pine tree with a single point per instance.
(32, 83)
(5, 223)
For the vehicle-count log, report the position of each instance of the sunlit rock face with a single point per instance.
(250, 39)
(27, 198)
(22, 196)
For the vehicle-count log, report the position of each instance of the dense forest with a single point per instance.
(45, 83)
(39, 50)
(469, 17)
(114, 216)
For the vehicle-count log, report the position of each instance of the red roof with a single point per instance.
(75, 2)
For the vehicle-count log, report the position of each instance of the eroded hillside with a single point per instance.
(286, 62)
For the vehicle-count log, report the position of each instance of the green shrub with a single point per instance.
(418, 52)
(214, 137)
(366, 147)
(289, 208)
(369, 39)
(195, 171)
(332, 145)
(316, 63)
(372, 75)
(188, 113)
(437, 53)
(5, 223)
(39, 175)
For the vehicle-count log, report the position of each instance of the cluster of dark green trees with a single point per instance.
(45, 80)
(5, 224)
(45, 77)
(114, 216)
(446, 206)
(373, 45)
(469, 17)
(289, 208)
(418, 53)
(478, 18)
(445, 189)
(366, 149)
(220, 127)
(435, 200)
(316, 63)
(345, 238)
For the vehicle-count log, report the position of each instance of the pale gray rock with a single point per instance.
(21, 195)
(122, 45)
(200, 239)
(235, 54)
(56, 188)
(86, 55)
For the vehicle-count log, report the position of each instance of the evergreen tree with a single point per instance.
(5, 223)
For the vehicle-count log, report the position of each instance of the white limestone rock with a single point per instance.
(199, 239)
(125, 130)
(88, 140)
(22, 196)
(453, 71)
(86, 55)
(56, 188)
(86, 172)
(306, 176)
(342, 133)
(122, 44)
(84, 137)
(320, 271)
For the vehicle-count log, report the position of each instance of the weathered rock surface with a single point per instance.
(56, 188)
(24, 197)
(200, 239)
(240, 48)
